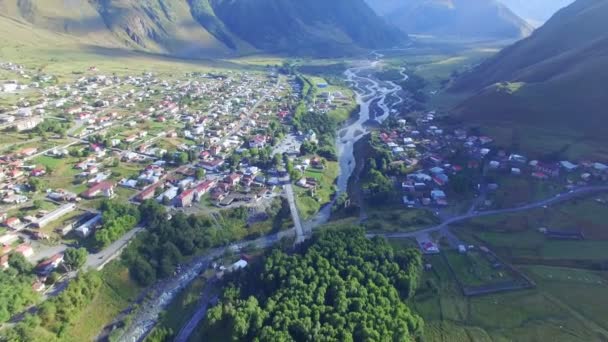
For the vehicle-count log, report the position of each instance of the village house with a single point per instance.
(185, 198)
(25, 249)
(49, 265)
(148, 193)
(551, 170)
(13, 223)
(258, 141)
(233, 179)
(203, 188)
(104, 188)
(87, 228)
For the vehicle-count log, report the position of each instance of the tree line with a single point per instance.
(341, 286)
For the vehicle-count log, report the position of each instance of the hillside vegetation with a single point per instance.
(552, 80)
(204, 28)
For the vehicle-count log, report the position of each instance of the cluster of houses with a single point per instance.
(425, 150)
(138, 120)
(180, 188)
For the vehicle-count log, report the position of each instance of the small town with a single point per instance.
(199, 144)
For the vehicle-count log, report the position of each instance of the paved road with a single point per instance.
(94, 261)
(295, 215)
(98, 260)
(553, 200)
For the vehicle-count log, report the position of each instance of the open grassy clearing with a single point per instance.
(473, 269)
(531, 315)
(538, 141)
(309, 203)
(517, 235)
(397, 218)
(115, 295)
(516, 191)
(582, 291)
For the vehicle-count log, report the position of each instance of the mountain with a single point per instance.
(536, 11)
(328, 27)
(454, 18)
(203, 28)
(553, 80)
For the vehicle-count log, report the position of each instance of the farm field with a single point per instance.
(517, 236)
(542, 314)
(474, 269)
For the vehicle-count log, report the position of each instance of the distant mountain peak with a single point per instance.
(459, 18)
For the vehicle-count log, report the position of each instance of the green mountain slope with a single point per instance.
(455, 18)
(314, 26)
(552, 80)
(160, 26)
(207, 28)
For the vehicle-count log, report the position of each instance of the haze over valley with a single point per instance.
(288, 170)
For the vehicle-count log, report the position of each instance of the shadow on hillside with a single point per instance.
(194, 56)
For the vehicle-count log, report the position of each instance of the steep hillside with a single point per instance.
(160, 26)
(323, 27)
(77, 19)
(554, 79)
(454, 18)
(208, 28)
(536, 11)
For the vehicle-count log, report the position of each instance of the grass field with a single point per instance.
(62, 172)
(531, 315)
(473, 269)
(115, 295)
(517, 235)
(309, 205)
(516, 191)
(397, 218)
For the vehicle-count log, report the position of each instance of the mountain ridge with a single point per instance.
(207, 28)
(454, 18)
(552, 80)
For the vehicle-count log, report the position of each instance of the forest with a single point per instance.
(156, 252)
(341, 286)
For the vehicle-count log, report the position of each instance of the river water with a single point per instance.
(369, 92)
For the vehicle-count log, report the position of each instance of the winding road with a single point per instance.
(544, 203)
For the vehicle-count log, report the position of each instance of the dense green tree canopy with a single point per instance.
(342, 287)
